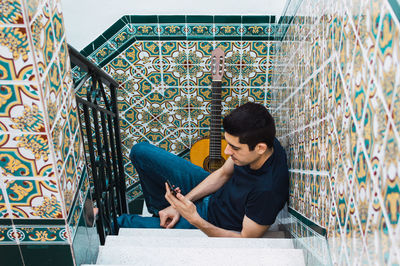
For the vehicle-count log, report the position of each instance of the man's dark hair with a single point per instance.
(252, 123)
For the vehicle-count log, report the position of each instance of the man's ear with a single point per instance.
(261, 148)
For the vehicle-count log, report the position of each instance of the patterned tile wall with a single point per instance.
(165, 89)
(336, 93)
(42, 172)
(163, 66)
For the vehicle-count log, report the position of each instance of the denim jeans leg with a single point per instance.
(155, 165)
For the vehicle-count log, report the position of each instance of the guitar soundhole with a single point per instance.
(211, 165)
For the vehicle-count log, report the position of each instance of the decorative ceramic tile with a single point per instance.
(36, 110)
(17, 58)
(11, 12)
(20, 109)
(350, 152)
(34, 199)
(38, 235)
(8, 235)
(43, 39)
(25, 155)
(3, 207)
(57, 23)
(157, 77)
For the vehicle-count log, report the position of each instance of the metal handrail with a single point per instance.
(101, 135)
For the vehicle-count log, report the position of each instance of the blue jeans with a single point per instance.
(154, 166)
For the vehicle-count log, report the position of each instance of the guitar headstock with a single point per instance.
(217, 64)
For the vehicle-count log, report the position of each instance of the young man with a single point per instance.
(241, 199)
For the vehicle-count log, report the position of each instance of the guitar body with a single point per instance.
(200, 155)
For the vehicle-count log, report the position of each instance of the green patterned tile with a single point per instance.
(113, 29)
(25, 155)
(143, 56)
(3, 208)
(256, 30)
(258, 94)
(63, 59)
(34, 199)
(74, 216)
(175, 30)
(44, 48)
(58, 25)
(386, 64)
(171, 49)
(53, 91)
(11, 12)
(21, 110)
(66, 139)
(69, 182)
(200, 32)
(39, 234)
(145, 31)
(103, 53)
(233, 31)
(17, 58)
(260, 52)
(122, 36)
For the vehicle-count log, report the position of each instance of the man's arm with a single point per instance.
(169, 216)
(249, 229)
(212, 182)
(188, 210)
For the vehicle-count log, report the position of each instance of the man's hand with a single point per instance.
(168, 217)
(185, 207)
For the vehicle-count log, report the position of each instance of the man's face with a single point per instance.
(240, 153)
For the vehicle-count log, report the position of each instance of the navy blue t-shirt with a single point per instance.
(259, 194)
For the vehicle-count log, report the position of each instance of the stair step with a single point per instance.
(198, 256)
(161, 232)
(181, 232)
(197, 242)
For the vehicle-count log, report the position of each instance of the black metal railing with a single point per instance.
(98, 117)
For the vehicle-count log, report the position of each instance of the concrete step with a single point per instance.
(182, 233)
(198, 256)
(197, 242)
(161, 232)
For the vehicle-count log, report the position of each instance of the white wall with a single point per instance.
(85, 20)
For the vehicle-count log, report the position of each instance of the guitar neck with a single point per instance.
(215, 124)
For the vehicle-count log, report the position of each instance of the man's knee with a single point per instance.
(139, 150)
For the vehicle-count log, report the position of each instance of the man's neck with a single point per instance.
(260, 162)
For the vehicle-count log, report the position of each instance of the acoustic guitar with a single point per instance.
(209, 153)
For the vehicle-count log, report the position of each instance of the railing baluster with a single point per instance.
(99, 222)
(121, 179)
(111, 180)
(114, 162)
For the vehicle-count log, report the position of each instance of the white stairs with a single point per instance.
(192, 247)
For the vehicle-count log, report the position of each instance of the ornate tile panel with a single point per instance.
(39, 235)
(25, 155)
(11, 12)
(20, 109)
(17, 58)
(34, 199)
(164, 94)
(342, 131)
(40, 147)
